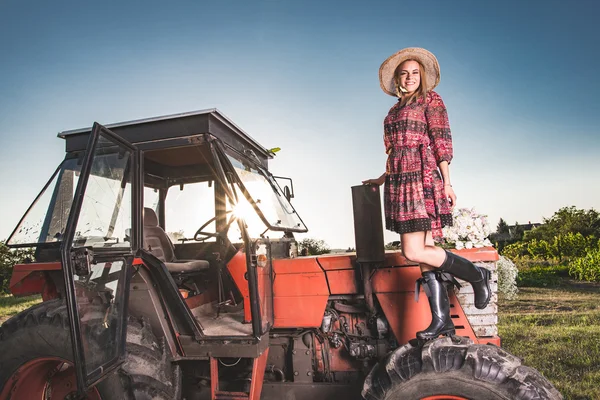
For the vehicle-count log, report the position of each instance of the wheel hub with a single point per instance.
(48, 378)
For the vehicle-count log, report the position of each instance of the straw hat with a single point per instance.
(426, 58)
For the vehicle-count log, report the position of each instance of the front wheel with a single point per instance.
(36, 361)
(455, 369)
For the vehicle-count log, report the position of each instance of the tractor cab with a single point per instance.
(182, 202)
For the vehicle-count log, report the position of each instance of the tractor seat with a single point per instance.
(158, 243)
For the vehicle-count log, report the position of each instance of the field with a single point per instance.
(557, 331)
(10, 306)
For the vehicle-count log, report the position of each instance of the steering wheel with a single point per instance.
(201, 236)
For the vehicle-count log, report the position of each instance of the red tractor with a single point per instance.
(138, 306)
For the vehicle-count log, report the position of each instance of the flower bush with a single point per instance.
(469, 229)
(507, 277)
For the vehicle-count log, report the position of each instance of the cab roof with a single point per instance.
(176, 126)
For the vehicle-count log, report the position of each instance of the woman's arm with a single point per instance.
(448, 190)
(376, 181)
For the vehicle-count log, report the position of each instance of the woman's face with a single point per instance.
(410, 77)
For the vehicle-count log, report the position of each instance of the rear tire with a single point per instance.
(459, 368)
(42, 332)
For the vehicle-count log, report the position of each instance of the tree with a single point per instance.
(8, 258)
(313, 247)
(502, 226)
(567, 220)
(517, 232)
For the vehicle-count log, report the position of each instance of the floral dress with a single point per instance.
(417, 138)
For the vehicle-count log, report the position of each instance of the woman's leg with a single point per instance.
(419, 246)
(428, 242)
(414, 248)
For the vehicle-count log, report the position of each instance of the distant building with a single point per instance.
(515, 232)
(514, 229)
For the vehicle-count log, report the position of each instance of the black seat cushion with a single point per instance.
(184, 266)
(158, 243)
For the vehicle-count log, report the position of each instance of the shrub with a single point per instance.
(540, 275)
(586, 268)
(515, 250)
(507, 277)
(8, 258)
(313, 247)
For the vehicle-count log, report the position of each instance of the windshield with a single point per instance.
(277, 212)
(46, 218)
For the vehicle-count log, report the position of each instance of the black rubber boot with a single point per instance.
(478, 277)
(437, 293)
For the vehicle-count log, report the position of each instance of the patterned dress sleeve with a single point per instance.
(386, 139)
(438, 129)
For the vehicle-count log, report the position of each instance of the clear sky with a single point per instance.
(519, 78)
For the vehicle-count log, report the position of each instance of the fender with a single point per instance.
(34, 278)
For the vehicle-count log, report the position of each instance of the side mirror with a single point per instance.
(287, 193)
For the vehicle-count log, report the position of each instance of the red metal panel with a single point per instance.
(305, 284)
(28, 279)
(296, 265)
(406, 316)
(258, 374)
(479, 255)
(333, 262)
(30, 282)
(493, 340)
(300, 293)
(396, 259)
(214, 377)
(47, 266)
(342, 281)
(237, 269)
(392, 280)
(299, 311)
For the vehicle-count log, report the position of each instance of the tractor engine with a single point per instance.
(348, 343)
(350, 335)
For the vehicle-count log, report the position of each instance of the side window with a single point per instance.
(46, 219)
(151, 198)
(188, 209)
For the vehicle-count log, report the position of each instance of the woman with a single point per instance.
(418, 195)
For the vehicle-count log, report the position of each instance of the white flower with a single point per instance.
(470, 229)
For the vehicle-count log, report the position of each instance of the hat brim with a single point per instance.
(425, 57)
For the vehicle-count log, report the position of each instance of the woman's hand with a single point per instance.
(450, 195)
(377, 181)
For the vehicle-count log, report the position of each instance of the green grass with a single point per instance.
(556, 330)
(10, 305)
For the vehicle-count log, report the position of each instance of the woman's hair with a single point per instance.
(420, 92)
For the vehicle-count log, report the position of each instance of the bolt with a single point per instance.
(307, 352)
(296, 373)
(309, 373)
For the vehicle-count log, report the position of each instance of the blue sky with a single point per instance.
(519, 79)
